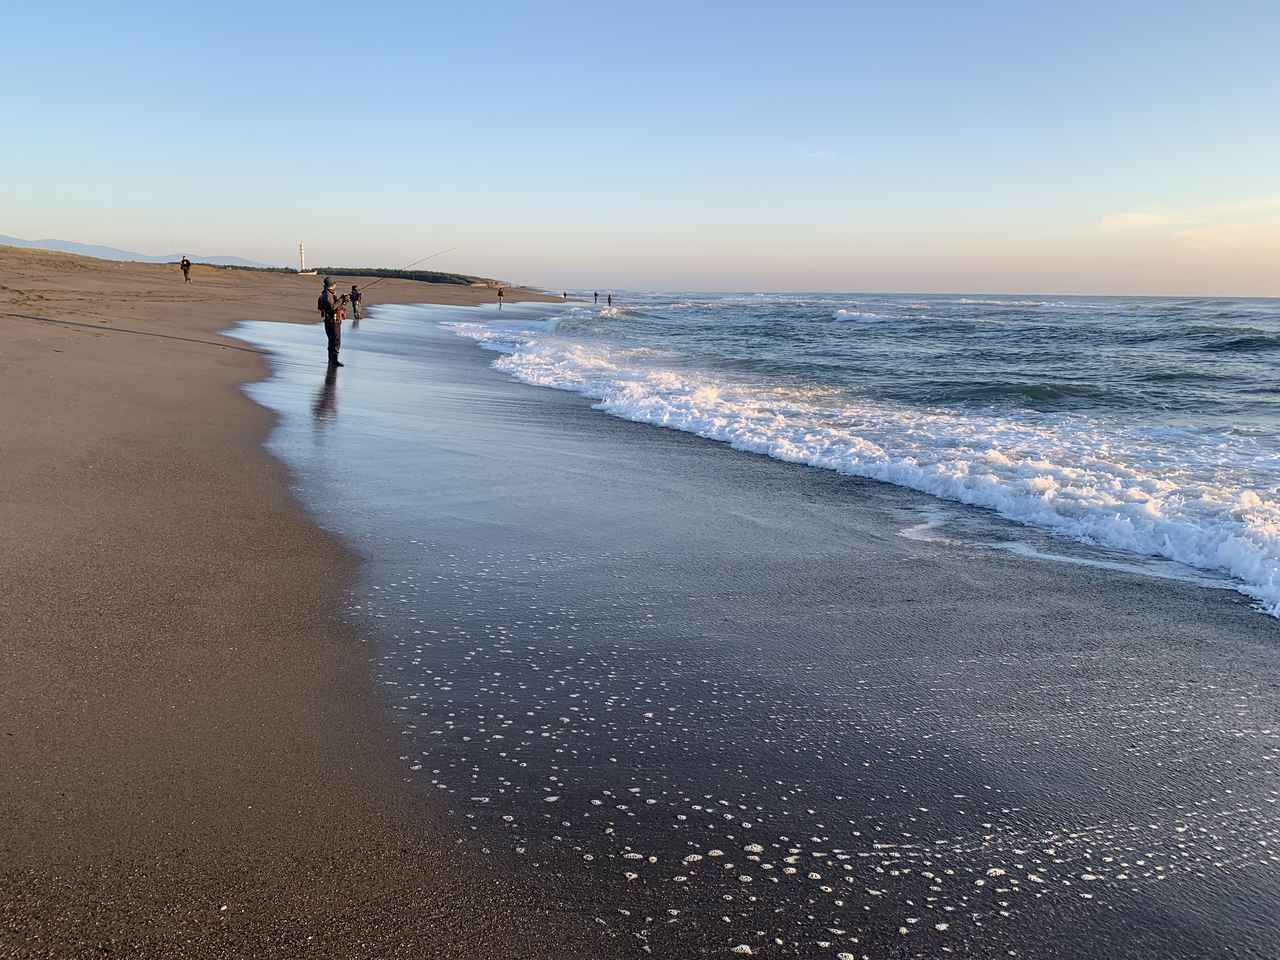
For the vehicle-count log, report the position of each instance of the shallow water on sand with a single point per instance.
(727, 704)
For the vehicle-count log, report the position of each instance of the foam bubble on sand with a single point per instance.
(924, 882)
(1168, 493)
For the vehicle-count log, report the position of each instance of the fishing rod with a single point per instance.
(413, 263)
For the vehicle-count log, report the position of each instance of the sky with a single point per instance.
(980, 147)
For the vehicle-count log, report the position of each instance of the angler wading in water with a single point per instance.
(333, 308)
(332, 311)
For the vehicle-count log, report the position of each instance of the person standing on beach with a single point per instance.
(499, 298)
(356, 297)
(329, 304)
(185, 264)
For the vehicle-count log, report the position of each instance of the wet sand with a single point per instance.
(193, 759)
(730, 702)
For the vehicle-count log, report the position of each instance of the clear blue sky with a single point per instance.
(1101, 147)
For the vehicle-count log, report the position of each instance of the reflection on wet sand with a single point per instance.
(325, 407)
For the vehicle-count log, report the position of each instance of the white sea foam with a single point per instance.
(1025, 302)
(924, 532)
(1005, 302)
(850, 314)
(1176, 494)
(1160, 569)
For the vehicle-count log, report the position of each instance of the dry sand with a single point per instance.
(193, 760)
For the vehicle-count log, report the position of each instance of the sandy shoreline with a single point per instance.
(194, 761)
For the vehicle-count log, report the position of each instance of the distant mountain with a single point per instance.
(112, 253)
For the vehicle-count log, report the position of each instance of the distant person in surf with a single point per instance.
(565, 295)
(356, 297)
(185, 264)
(611, 299)
(595, 298)
(330, 306)
(499, 298)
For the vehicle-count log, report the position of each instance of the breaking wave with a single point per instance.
(1176, 494)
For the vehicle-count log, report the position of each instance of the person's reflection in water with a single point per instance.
(326, 405)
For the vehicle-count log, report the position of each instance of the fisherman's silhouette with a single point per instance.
(325, 407)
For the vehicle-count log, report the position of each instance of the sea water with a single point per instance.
(718, 704)
(1149, 426)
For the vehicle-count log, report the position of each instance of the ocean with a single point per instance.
(823, 626)
(1141, 425)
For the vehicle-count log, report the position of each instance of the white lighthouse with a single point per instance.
(302, 262)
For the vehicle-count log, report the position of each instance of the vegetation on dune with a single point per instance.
(423, 276)
(235, 266)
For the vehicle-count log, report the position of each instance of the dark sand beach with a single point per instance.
(732, 704)
(193, 760)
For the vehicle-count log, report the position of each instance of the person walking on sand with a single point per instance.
(329, 304)
(356, 297)
(185, 264)
(499, 298)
